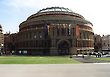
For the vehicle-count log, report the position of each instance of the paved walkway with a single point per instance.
(56, 70)
(87, 59)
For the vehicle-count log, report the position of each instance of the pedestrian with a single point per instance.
(83, 56)
(96, 54)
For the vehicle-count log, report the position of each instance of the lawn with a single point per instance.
(37, 60)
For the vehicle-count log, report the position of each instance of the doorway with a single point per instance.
(63, 48)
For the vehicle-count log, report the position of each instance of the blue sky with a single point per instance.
(13, 12)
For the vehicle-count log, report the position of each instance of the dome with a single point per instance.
(56, 10)
(0, 26)
(53, 15)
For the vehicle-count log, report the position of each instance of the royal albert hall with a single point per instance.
(55, 31)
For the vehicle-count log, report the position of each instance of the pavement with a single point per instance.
(55, 70)
(89, 59)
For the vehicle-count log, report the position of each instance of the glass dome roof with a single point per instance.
(55, 9)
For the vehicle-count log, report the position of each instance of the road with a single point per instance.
(55, 70)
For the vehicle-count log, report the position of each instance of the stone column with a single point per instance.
(73, 50)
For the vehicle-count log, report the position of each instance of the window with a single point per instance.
(69, 29)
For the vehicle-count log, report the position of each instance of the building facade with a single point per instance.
(55, 31)
(9, 43)
(1, 40)
(97, 43)
(106, 43)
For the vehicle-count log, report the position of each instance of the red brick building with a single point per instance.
(54, 31)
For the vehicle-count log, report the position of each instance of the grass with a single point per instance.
(37, 60)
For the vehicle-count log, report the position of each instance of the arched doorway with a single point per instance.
(63, 47)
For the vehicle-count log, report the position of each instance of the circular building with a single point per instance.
(1, 40)
(55, 31)
(0, 28)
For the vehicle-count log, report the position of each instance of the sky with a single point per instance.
(13, 12)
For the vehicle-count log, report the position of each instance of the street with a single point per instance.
(55, 70)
